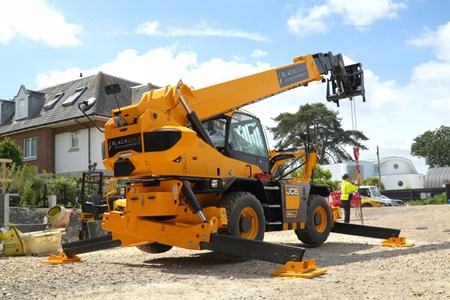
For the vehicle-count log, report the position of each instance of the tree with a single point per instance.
(434, 146)
(9, 149)
(373, 181)
(320, 175)
(328, 134)
(324, 176)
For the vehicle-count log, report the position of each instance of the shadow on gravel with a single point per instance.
(203, 259)
(342, 257)
(208, 264)
(220, 266)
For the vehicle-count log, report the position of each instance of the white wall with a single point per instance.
(414, 181)
(396, 165)
(368, 169)
(97, 138)
(77, 160)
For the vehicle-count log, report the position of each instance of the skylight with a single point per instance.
(74, 97)
(52, 102)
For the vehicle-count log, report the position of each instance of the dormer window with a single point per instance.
(27, 103)
(74, 97)
(22, 108)
(52, 102)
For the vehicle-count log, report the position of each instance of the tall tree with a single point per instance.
(434, 146)
(327, 132)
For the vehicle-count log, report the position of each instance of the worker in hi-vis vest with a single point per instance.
(347, 189)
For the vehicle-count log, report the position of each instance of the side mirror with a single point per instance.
(86, 105)
(112, 89)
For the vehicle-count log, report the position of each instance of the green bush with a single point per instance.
(34, 187)
(26, 183)
(28, 197)
(64, 188)
(436, 199)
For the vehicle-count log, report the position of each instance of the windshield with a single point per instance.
(375, 192)
(246, 135)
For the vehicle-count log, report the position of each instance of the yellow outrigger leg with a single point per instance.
(303, 269)
(61, 258)
(397, 242)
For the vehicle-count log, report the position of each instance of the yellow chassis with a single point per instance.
(185, 232)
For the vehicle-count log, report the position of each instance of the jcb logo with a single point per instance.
(292, 191)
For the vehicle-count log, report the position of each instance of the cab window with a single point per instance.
(216, 129)
(246, 135)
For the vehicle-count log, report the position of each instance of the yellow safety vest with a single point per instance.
(346, 188)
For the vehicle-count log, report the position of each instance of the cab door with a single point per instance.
(246, 140)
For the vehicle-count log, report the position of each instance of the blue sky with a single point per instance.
(404, 46)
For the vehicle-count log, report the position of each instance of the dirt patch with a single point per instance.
(357, 268)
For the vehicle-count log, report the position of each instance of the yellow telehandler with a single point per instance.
(201, 175)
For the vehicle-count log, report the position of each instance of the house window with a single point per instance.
(30, 148)
(52, 102)
(74, 97)
(22, 109)
(74, 140)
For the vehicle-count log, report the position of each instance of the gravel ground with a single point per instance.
(357, 268)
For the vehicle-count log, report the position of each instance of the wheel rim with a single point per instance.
(248, 223)
(320, 219)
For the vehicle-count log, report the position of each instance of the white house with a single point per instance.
(400, 173)
(396, 172)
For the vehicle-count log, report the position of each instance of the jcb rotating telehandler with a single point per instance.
(201, 175)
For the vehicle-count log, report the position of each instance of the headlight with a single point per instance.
(214, 183)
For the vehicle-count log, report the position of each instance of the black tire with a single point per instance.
(318, 222)
(245, 216)
(366, 205)
(154, 248)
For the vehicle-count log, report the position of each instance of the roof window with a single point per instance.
(52, 102)
(74, 97)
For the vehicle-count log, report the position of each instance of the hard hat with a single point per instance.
(345, 176)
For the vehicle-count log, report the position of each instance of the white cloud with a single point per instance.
(148, 28)
(434, 76)
(160, 66)
(353, 12)
(438, 40)
(391, 118)
(36, 21)
(431, 72)
(360, 13)
(258, 53)
(55, 77)
(310, 22)
(202, 29)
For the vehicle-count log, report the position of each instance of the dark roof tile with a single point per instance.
(95, 88)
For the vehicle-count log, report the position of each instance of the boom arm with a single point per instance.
(176, 101)
(151, 138)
